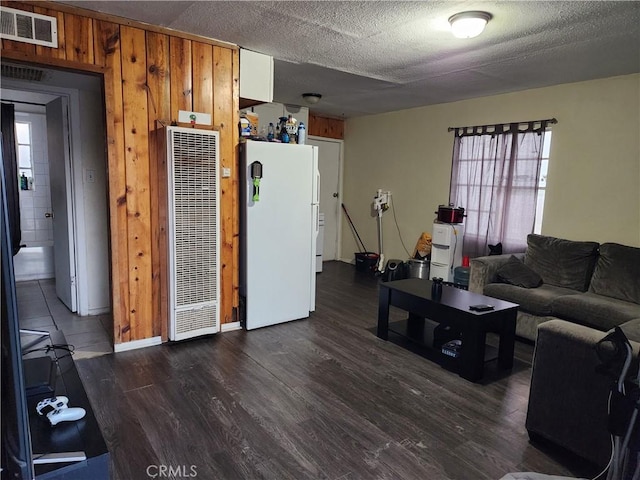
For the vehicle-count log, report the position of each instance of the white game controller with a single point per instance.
(53, 403)
(66, 414)
(57, 411)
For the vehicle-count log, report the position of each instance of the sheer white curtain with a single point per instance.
(495, 178)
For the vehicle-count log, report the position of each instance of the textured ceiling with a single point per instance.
(368, 57)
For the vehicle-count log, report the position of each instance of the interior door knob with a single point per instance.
(335, 195)
(48, 215)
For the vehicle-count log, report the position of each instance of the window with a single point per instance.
(542, 181)
(499, 177)
(25, 157)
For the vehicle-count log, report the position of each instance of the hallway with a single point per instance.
(40, 309)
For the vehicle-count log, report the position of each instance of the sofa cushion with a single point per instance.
(563, 263)
(596, 311)
(617, 272)
(533, 300)
(514, 272)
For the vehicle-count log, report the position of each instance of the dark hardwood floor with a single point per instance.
(315, 398)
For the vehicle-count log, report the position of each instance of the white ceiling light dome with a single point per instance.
(469, 24)
(311, 98)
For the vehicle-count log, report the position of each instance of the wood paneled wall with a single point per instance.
(326, 127)
(149, 74)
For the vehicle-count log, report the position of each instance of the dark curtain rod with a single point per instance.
(498, 128)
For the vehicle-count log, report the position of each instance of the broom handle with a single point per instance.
(354, 227)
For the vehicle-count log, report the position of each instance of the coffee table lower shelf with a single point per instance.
(429, 345)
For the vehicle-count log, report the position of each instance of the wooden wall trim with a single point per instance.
(325, 127)
(149, 74)
(66, 8)
(35, 59)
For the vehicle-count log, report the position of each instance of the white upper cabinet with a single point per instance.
(256, 76)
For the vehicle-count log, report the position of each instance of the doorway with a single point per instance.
(330, 166)
(75, 157)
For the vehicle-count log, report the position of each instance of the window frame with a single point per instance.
(28, 171)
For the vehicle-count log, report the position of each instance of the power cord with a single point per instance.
(70, 349)
(395, 219)
(455, 246)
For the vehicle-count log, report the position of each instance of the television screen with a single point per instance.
(16, 439)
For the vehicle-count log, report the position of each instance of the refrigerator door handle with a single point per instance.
(317, 199)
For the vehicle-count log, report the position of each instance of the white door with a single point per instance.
(329, 161)
(61, 204)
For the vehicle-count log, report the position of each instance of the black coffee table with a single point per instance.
(452, 309)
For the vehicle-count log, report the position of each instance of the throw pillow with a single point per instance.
(517, 273)
(495, 249)
(560, 262)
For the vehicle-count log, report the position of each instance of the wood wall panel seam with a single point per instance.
(78, 39)
(202, 68)
(107, 51)
(235, 175)
(223, 116)
(159, 107)
(181, 76)
(136, 134)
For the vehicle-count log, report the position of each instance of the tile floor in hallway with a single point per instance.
(40, 309)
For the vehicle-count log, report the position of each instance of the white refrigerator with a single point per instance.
(279, 201)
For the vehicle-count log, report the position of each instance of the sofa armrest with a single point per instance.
(483, 270)
(568, 398)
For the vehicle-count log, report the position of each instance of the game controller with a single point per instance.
(50, 404)
(66, 414)
(57, 410)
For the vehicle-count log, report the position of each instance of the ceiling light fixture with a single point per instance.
(311, 98)
(468, 24)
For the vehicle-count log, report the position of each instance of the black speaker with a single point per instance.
(394, 270)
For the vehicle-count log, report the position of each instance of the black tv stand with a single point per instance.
(82, 436)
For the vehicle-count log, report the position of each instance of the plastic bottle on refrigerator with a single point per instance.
(302, 134)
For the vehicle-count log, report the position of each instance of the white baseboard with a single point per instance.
(229, 327)
(135, 344)
(352, 261)
(99, 311)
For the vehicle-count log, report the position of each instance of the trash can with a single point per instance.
(418, 268)
(366, 261)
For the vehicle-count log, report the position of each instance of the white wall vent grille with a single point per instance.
(28, 27)
(194, 253)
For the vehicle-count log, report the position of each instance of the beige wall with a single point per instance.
(593, 188)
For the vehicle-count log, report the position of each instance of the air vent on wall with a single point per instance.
(193, 232)
(28, 27)
(19, 72)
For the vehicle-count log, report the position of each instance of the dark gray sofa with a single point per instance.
(568, 398)
(594, 285)
(567, 318)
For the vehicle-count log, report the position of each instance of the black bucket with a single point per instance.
(366, 261)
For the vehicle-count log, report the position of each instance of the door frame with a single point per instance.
(74, 185)
(340, 142)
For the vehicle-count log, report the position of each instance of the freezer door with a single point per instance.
(278, 226)
(315, 231)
